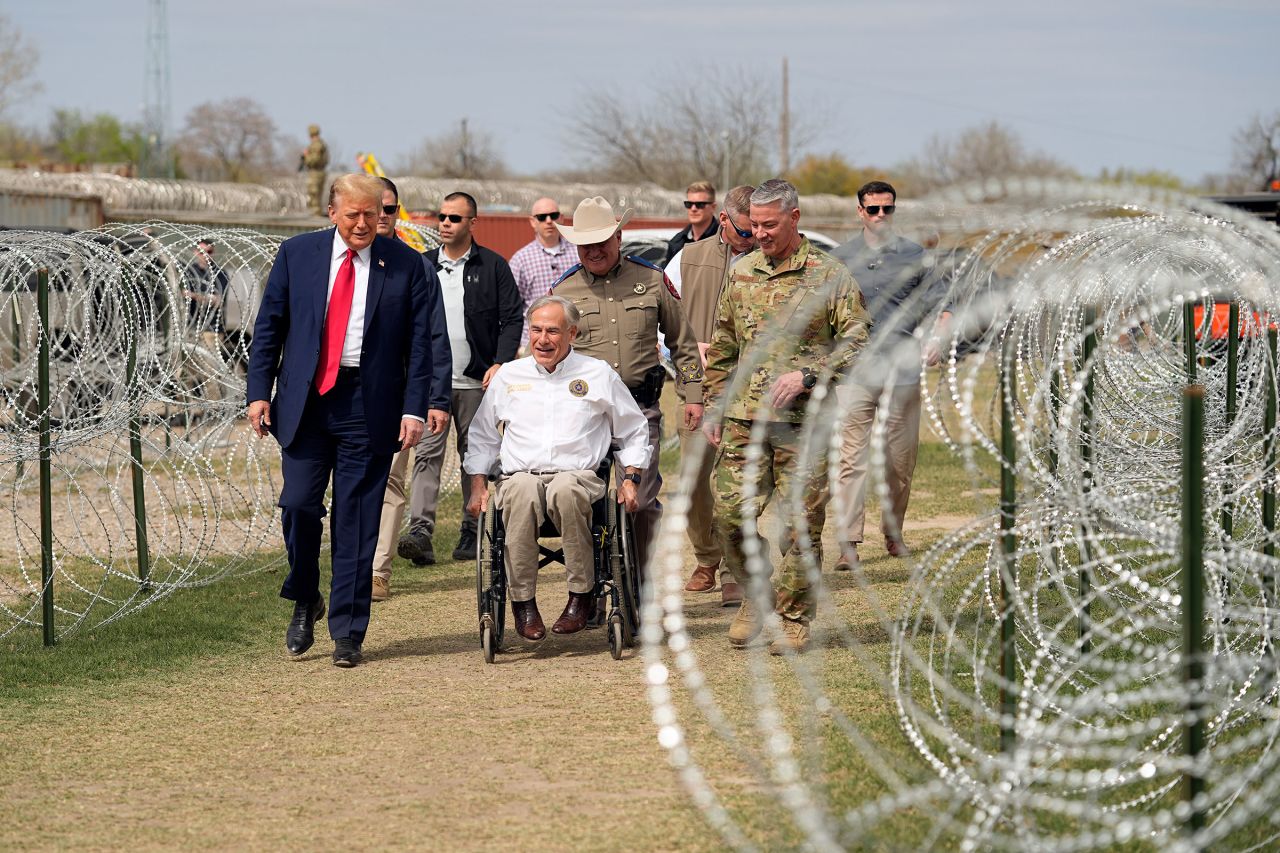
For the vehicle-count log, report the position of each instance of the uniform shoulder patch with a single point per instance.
(570, 271)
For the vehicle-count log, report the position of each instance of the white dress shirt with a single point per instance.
(352, 344)
(561, 421)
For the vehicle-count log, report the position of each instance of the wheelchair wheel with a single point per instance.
(623, 571)
(491, 583)
(616, 643)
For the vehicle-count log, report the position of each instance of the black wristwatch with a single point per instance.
(634, 477)
(808, 378)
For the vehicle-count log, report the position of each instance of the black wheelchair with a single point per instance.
(617, 574)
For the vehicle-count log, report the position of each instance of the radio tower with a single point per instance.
(156, 159)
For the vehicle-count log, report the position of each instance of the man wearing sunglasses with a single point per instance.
(700, 201)
(699, 272)
(393, 499)
(484, 315)
(548, 256)
(895, 279)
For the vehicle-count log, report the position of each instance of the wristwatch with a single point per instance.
(635, 478)
(808, 378)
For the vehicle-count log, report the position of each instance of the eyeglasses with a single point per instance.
(874, 209)
(455, 218)
(543, 217)
(745, 235)
(698, 204)
(390, 209)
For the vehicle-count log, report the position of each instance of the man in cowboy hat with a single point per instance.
(624, 302)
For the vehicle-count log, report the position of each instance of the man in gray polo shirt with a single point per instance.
(891, 270)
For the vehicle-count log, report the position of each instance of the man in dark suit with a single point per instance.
(343, 335)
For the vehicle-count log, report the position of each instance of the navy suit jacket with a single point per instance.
(396, 358)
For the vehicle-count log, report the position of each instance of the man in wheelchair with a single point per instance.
(544, 426)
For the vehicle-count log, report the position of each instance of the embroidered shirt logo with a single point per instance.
(578, 388)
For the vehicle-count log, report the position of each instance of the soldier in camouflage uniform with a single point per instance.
(624, 302)
(805, 307)
(315, 159)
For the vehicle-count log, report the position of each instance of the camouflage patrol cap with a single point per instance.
(313, 129)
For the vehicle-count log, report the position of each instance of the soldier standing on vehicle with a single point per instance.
(315, 159)
(624, 302)
(805, 309)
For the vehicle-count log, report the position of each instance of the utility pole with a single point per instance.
(725, 153)
(784, 144)
(156, 160)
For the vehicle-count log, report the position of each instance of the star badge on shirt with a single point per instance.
(639, 288)
(578, 387)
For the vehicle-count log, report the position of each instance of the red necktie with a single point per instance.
(335, 325)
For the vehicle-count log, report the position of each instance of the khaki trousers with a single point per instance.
(702, 530)
(565, 498)
(392, 515)
(428, 463)
(902, 443)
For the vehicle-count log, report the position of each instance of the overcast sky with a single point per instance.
(1159, 85)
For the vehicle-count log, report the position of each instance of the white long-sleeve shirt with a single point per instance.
(561, 421)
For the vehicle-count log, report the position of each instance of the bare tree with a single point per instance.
(724, 126)
(1256, 157)
(230, 140)
(460, 152)
(18, 58)
(986, 151)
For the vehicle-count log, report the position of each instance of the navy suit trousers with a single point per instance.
(333, 441)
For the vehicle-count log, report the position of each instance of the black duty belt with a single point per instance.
(649, 391)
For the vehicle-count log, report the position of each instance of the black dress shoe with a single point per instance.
(301, 633)
(346, 652)
(416, 547)
(576, 611)
(466, 549)
(529, 624)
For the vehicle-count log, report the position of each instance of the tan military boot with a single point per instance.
(746, 625)
(794, 638)
(381, 588)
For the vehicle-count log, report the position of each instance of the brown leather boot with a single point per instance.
(703, 579)
(528, 620)
(576, 611)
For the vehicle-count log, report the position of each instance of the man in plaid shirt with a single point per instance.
(541, 263)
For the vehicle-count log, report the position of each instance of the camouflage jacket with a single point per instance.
(807, 312)
(316, 156)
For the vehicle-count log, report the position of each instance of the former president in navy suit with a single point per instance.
(344, 336)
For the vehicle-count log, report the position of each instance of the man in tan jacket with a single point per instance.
(699, 272)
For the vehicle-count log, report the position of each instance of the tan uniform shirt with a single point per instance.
(621, 315)
(805, 312)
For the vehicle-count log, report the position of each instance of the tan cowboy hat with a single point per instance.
(593, 222)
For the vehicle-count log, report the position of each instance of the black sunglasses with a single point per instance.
(698, 204)
(390, 209)
(874, 209)
(745, 235)
(455, 218)
(543, 217)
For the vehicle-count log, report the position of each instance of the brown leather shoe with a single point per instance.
(897, 548)
(703, 580)
(528, 620)
(730, 594)
(576, 611)
(848, 557)
(381, 588)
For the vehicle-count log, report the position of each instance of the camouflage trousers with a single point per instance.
(777, 471)
(315, 191)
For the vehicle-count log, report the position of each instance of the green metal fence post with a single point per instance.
(1008, 546)
(1233, 361)
(1269, 449)
(135, 451)
(46, 460)
(1084, 622)
(1189, 339)
(1193, 595)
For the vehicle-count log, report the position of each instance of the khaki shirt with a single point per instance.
(806, 312)
(621, 315)
(704, 268)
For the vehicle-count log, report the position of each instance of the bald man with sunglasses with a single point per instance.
(541, 262)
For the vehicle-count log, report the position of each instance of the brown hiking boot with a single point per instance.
(794, 638)
(702, 580)
(381, 588)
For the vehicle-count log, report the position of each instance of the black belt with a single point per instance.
(649, 391)
(347, 373)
